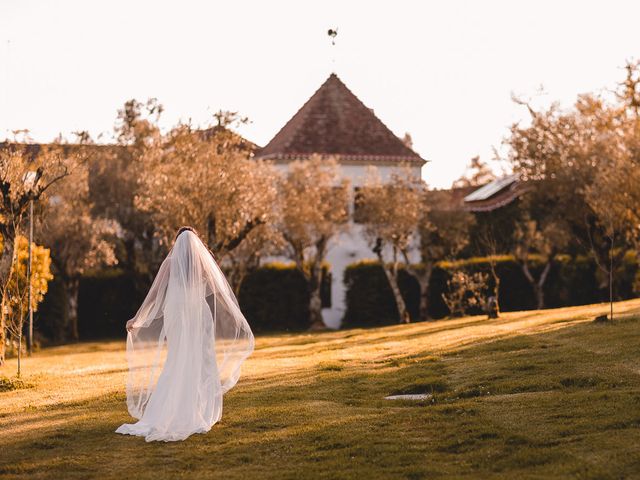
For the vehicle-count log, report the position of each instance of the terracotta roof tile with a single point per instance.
(335, 122)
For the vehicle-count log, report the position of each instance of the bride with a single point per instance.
(185, 346)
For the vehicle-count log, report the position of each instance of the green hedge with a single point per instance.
(49, 319)
(570, 282)
(106, 302)
(274, 297)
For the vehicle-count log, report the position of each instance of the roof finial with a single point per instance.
(333, 33)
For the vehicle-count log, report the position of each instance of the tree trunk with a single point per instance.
(19, 351)
(72, 287)
(424, 281)
(538, 286)
(392, 277)
(315, 299)
(611, 277)
(539, 293)
(494, 312)
(541, 281)
(314, 279)
(3, 334)
(315, 310)
(6, 261)
(423, 311)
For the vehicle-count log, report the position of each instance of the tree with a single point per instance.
(614, 196)
(262, 241)
(542, 243)
(391, 212)
(16, 298)
(489, 245)
(208, 181)
(476, 174)
(611, 238)
(314, 209)
(585, 158)
(560, 154)
(79, 241)
(443, 232)
(26, 173)
(616, 190)
(114, 175)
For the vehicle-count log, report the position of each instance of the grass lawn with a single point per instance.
(530, 395)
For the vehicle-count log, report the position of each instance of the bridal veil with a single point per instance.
(187, 343)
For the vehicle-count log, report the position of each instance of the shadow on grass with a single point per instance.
(502, 409)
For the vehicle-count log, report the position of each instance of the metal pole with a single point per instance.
(30, 336)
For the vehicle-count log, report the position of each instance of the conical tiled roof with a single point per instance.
(335, 122)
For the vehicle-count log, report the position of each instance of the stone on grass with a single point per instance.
(414, 396)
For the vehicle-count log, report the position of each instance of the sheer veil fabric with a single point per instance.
(187, 344)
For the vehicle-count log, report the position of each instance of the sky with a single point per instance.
(443, 71)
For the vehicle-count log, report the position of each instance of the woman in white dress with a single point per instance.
(185, 346)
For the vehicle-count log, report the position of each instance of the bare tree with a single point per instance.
(489, 245)
(314, 209)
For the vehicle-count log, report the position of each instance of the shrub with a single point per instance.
(465, 292)
(106, 300)
(275, 297)
(572, 281)
(369, 298)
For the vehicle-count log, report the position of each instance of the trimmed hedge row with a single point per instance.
(105, 302)
(571, 282)
(274, 297)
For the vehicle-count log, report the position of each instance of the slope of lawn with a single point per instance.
(530, 395)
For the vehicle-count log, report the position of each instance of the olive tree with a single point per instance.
(210, 182)
(390, 213)
(313, 210)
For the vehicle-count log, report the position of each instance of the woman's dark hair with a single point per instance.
(186, 229)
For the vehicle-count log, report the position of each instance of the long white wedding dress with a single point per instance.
(185, 346)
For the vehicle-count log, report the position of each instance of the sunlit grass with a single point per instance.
(532, 394)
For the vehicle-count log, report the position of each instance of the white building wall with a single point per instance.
(350, 246)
